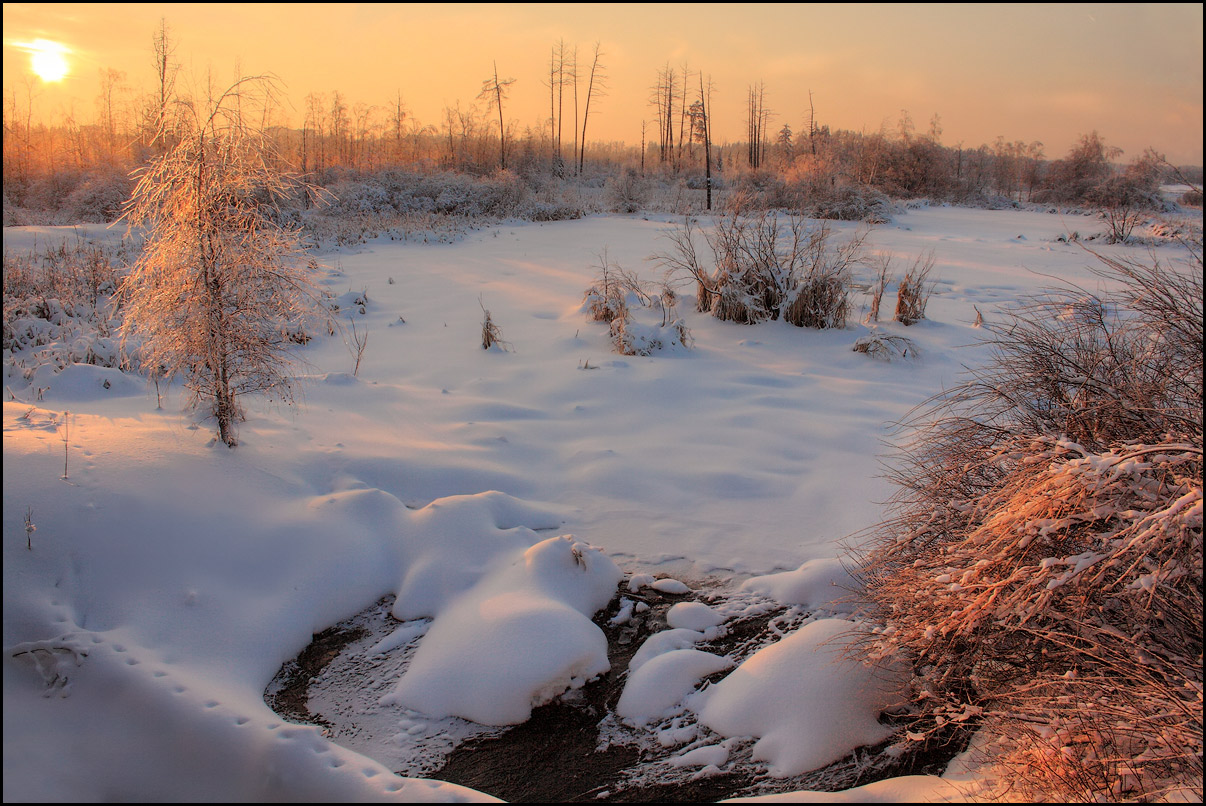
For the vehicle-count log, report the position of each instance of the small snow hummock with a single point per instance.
(693, 616)
(520, 637)
(662, 682)
(817, 583)
(662, 642)
(807, 703)
(639, 581)
(669, 585)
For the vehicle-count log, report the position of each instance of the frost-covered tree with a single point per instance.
(221, 291)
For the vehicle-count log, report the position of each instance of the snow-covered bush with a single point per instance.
(1042, 568)
(642, 321)
(537, 210)
(642, 331)
(59, 309)
(383, 196)
(766, 268)
(98, 198)
(627, 192)
(851, 203)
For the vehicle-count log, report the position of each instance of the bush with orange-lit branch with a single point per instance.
(1042, 569)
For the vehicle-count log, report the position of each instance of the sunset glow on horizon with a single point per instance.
(1131, 72)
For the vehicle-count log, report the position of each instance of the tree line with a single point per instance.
(85, 167)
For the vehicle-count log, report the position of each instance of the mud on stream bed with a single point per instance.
(575, 748)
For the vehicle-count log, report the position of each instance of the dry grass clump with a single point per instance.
(1043, 566)
(491, 334)
(913, 294)
(883, 263)
(642, 317)
(765, 268)
(82, 272)
(607, 299)
(886, 347)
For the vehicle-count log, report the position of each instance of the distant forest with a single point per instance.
(379, 159)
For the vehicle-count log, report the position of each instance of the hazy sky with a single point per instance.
(1133, 72)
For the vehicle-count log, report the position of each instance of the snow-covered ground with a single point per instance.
(170, 577)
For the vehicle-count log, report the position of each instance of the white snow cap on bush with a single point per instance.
(520, 637)
(807, 704)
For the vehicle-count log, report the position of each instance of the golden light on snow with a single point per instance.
(48, 59)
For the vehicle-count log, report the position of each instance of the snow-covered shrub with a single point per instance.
(59, 308)
(642, 321)
(1124, 204)
(627, 193)
(1042, 568)
(536, 210)
(764, 190)
(683, 265)
(359, 198)
(402, 193)
(98, 198)
(642, 331)
(820, 299)
(851, 203)
(766, 268)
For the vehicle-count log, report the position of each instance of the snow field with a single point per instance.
(451, 476)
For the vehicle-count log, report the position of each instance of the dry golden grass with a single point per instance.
(1042, 568)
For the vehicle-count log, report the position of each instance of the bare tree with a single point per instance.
(571, 75)
(557, 79)
(221, 289)
(165, 75)
(705, 130)
(594, 87)
(757, 118)
(494, 91)
(314, 124)
(397, 124)
(112, 85)
(665, 93)
(339, 127)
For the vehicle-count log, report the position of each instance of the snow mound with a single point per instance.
(807, 704)
(664, 681)
(455, 540)
(662, 642)
(520, 637)
(816, 583)
(671, 586)
(693, 616)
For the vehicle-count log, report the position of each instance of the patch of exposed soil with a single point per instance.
(289, 695)
(570, 750)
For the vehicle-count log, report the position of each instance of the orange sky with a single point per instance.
(1133, 72)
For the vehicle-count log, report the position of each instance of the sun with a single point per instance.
(49, 60)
